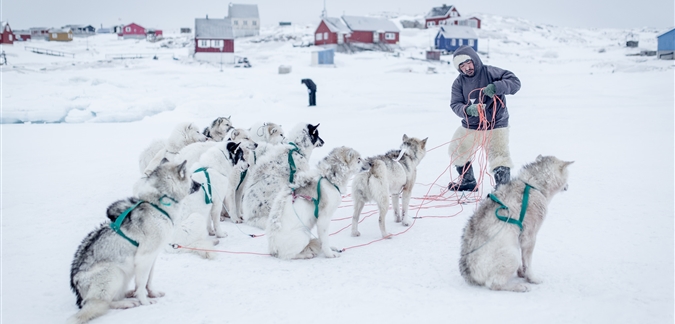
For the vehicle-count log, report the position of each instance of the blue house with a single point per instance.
(449, 38)
(666, 46)
(323, 57)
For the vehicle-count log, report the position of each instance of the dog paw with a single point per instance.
(221, 234)
(222, 218)
(533, 280)
(211, 231)
(405, 222)
(215, 242)
(386, 236)
(237, 220)
(332, 253)
(129, 294)
(155, 294)
(356, 234)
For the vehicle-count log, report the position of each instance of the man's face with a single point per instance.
(467, 68)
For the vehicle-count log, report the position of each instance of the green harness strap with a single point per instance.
(208, 196)
(318, 196)
(523, 208)
(291, 163)
(243, 174)
(116, 226)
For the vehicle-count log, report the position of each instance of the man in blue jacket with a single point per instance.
(475, 92)
(311, 89)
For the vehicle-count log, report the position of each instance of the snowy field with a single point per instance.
(73, 129)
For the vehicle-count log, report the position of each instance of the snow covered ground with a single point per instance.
(73, 129)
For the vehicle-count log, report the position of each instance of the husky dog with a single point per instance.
(311, 200)
(106, 260)
(494, 249)
(218, 129)
(267, 132)
(218, 171)
(395, 174)
(275, 170)
(181, 136)
(194, 151)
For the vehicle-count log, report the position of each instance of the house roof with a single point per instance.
(60, 30)
(463, 32)
(213, 28)
(370, 24)
(243, 11)
(336, 25)
(3, 23)
(666, 32)
(439, 11)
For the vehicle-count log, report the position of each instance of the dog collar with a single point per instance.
(291, 162)
(208, 196)
(523, 208)
(116, 226)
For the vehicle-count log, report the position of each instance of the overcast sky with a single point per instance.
(172, 14)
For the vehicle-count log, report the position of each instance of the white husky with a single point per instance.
(395, 175)
(181, 136)
(311, 200)
(194, 151)
(275, 170)
(127, 246)
(499, 238)
(267, 133)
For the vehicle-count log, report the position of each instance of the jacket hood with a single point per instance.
(468, 51)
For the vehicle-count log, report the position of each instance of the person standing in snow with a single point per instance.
(311, 88)
(490, 82)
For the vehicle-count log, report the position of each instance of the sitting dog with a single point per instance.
(182, 135)
(218, 129)
(267, 133)
(194, 151)
(311, 200)
(127, 246)
(275, 170)
(499, 238)
(394, 176)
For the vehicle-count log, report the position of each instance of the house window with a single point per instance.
(203, 43)
(54, 35)
(390, 36)
(471, 42)
(217, 43)
(319, 36)
(128, 29)
(10, 37)
(254, 23)
(430, 24)
(236, 22)
(325, 36)
(70, 36)
(442, 22)
(245, 23)
(453, 42)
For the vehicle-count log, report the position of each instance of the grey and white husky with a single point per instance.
(275, 170)
(218, 129)
(311, 200)
(392, 174)
(499, 238)
(181, 136)
(127, 246)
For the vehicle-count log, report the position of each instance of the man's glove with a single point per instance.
(489, 90)
(473, 110)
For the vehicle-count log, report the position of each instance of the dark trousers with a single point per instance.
(312, 98)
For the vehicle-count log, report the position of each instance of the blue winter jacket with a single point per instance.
(506, 83)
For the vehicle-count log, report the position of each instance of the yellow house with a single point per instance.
(61, 35)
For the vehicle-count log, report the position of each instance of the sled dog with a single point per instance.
(218, 129)
(394, 176)
(181, 136)
(127, 246)
(267, 132)
(194, 151)
(275, 170)
(499, 237)
(311, 200)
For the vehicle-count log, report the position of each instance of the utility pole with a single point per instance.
(324, 14)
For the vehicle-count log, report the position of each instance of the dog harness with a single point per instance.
(291, 162)
(523, 208)
(243, 174)
(318, 196)
(208, 196)
(116, 226)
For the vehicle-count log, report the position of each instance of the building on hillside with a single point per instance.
(331, 31)
(41, 33)
(81, 30)
(448, 15)
(155, 34)
(117, 29)
(60, 35)
(7, 37)
(214, 40)
(449, 38)
(22, 35)
(133, 31)
(245, 19)
(371, 30)
(666, 45)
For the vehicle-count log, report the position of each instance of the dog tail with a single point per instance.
(91, 309)
(378, 169)
(118, 207)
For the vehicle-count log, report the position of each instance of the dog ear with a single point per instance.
(405, 137)
(312, 129)
(232, 146)
(235, 133)
(272, 131)
(424, 142)
(182, 170)
(164, 160)
(539, 158)
(566, 164)
(229, 118)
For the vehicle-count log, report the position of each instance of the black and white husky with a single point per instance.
(393, 175)
(127, 246)
(275, 170)
(311, 200)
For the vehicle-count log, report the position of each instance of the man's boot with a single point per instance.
(502, 175)
(467, 182)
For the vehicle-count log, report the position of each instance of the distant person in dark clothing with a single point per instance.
(311, 88)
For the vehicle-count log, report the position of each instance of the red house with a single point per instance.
(214, 40)
(132, 31)
(371, 30)
(7, 36)
(331, 31)
(448, 15)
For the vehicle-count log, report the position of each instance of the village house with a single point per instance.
(665, 48)
(449, 38)
(331, 31)
(61, 35)
(22, 35)
(7, 36)
(214, 40)
(81, 30)
(41, 33)
(448, 15)
(132, 31)
(371, 30)
(245, 19)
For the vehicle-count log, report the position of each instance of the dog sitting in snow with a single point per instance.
(311, 200)
(275, 170)
(499, 238)
(181, 136)
(218, 129)
(393, 175)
